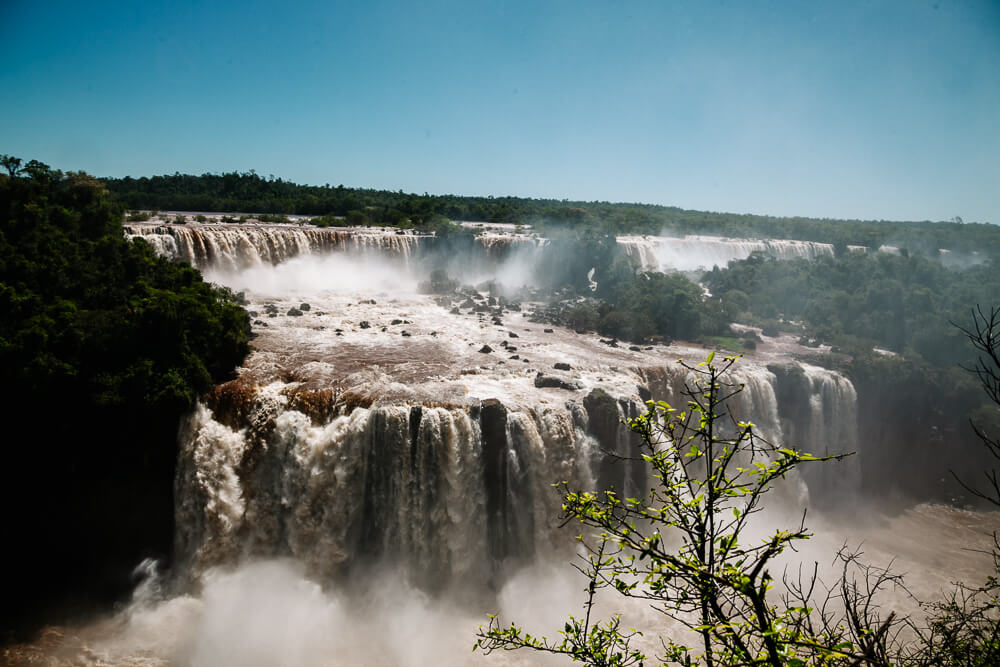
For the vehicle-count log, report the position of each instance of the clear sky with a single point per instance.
(859, 109)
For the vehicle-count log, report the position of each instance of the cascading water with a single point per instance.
(228, 247)
(689, 253)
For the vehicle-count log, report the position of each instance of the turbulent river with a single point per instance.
(379, 477)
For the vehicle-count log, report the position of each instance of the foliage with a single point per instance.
(964, 628)
(104, 346)
(857, 301)
(685, 550)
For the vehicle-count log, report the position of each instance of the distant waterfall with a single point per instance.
(688, 253)
(234, 247)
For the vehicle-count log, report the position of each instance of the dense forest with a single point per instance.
(250, 192)
(103, 346)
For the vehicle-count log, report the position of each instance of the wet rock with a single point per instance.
(272, 314)
(364, 324)
(562, 366)
(511, 348)
(555, 381)
(294, 312)
(635, 348)
(254, 313)
(407, 334)
(515, 356)
(394, 322)
(305, 307)
(547, 330)
(511, 334)
(455, 311)
(260, 323)
(644, 393)
(486, 349)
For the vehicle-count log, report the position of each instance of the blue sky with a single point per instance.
(868, 109)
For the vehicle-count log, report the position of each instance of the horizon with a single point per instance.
(881, 110)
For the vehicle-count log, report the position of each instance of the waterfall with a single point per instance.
(232, 247)
(803, 407)
(452, 492)
(443, 493)
(689, 253)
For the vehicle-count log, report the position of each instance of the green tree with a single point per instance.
(685, 550)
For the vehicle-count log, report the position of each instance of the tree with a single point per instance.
(684, 549)
(984, 334)
(964, 628)
(11, 164)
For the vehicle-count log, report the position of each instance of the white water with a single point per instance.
(690, 253)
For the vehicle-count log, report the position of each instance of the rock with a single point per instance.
(305, 307)
(455, 311)
(254, 313)
(294, 312)
(635, 348)
(547, 330)
(486, 349)
(515, 356)
(562, 366)
(407, 334)
(511, 348)
(555, 381)
(511, 334)
(364, 324)
(394, 322)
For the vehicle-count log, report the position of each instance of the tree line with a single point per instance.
(251, 192)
